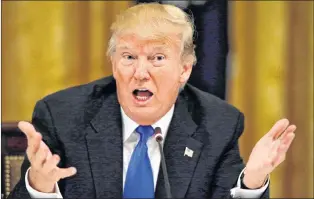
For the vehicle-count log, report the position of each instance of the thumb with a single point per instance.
(67, 172)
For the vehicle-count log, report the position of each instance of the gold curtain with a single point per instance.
(51, 45)
(271, 77)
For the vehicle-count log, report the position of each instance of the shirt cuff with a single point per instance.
(237, 192)
(36, 194)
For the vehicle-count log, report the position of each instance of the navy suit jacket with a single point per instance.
(83, 125)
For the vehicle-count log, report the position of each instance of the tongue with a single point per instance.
(143, 93)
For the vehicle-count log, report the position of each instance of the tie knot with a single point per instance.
(145, 132)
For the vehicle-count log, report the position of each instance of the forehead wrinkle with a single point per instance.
(161, 48)
(124, 47)
(144, 47)
(153, 43)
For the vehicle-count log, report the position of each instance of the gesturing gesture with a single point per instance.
(268, 153)
(44, 172)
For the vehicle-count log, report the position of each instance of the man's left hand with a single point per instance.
(268, 153)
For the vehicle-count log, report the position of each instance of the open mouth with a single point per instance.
(142, 95)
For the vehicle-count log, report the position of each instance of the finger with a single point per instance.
(278, 128)
(27, 128)
(282, 149)
(33, 146)
(51, 163)
(286, 143)
(49, 154)
(31, 134)
(65, 173)
(40, 157)
(290, 129)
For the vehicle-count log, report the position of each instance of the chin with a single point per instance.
(145, 115)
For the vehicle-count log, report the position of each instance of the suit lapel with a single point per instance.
(105, 149)
(179, 139)
(104, 143)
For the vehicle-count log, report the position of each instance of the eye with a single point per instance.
(128, 57)
(159, 57)
(158, 60)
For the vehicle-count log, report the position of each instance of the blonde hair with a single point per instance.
(154, 20)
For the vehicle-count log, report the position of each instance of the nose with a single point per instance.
(141, 70)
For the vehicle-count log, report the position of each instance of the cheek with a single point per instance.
(171, 74)
(122, 72)
(167, 81)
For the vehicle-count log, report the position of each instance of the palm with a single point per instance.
(271, 149)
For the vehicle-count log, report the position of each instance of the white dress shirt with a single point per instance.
(130, 140)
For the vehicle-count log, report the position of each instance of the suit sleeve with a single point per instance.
(230, 166)
(43, 123)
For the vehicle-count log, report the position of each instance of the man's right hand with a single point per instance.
(44, 172)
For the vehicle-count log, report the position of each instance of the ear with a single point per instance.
(185, 73)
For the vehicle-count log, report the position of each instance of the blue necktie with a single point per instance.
(139, 182)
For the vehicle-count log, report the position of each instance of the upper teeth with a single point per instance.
(142, 89)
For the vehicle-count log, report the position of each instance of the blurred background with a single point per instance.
(257, 55)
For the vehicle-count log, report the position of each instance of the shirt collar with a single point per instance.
(129, 125)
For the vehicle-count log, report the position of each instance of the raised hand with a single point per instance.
(268, 153)
(44, 172)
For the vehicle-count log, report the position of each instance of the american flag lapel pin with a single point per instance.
(188, 152)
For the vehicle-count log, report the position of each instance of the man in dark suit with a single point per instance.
(96, 140)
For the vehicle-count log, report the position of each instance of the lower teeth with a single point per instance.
(141, 98)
